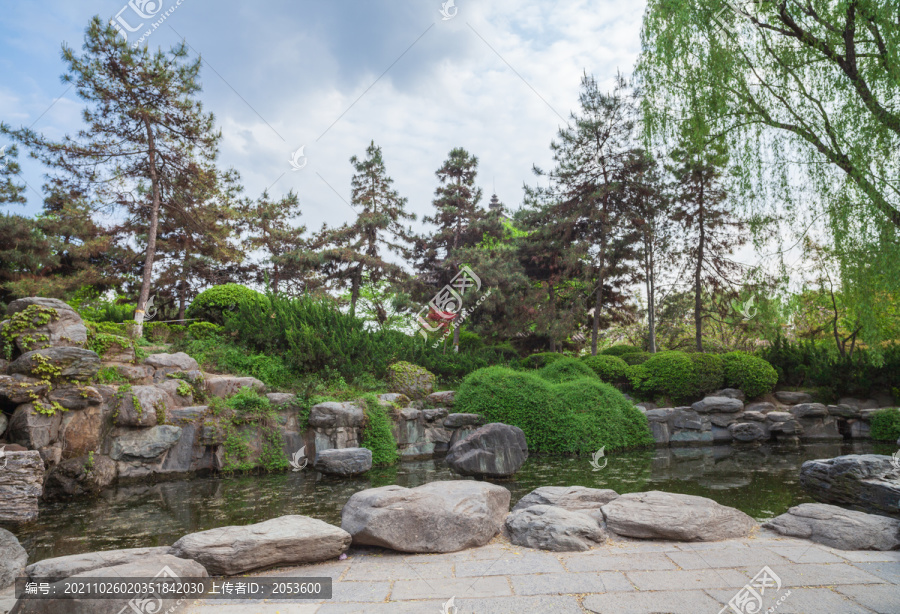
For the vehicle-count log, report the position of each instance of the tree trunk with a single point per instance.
(651, 302)
(182, 287)
(595, 328)
(354, 291)
(552, 328)
(698, 273)
(151, 235)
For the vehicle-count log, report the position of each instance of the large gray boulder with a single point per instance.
(139, 405)
(4, 422)
(83, 475)
(288, 540)
(17, 389)
(839, 528)
(34, 429)
(71, 363)
(56, 324)
(411, 380)
(344, 462)
(573, 498)
(725, 405)
(748, 431)
(179, 361)
(74, 564)
(435, 517)
(75, 397)
(331, 415)
(792, 398)
(662, 515)
(444, 398)
(864, 482)
(160, 565)
(494, 450)
(145, 444)
(809, 410)
(21, 486)
(225, 386)
(548, 527)
(12, 559)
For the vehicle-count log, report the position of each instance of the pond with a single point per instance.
(761, 481)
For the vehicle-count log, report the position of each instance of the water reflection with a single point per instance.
(762, 481)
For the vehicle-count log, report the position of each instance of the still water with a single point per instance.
(762, 481)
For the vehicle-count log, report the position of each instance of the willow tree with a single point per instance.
(142, 124)
(805, 94)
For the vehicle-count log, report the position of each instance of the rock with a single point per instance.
(409, 379)
(139, 405)
(762, 407)
(839, 528)
(81, 431)
(174, 388)
(75, 397)
(12, 559)
(494, 450)
(74, 564)
(433, 415)
(21, 485)
(51, 455)
(755, 416)
(645, 406)
(844, 411)
(284, 541)
(18, 389)
(145, 444)
(33, 429)
(548, 527)
(455, 421)
(691, 438)
(684, 418)
(176, 362)
(83, 475)
(731, 393)
(4, 422)
(822, 429)
(228, 385)
(787, 427)
(435, 517)
(792, 398)
(393, 399)
(858, 403)
(410, 413)
(139, 375)
(865, 482)
(282, 400)
(725, 405)
(65, 327)
(150, 566)
(725, 420)
(660, 432)
(573, 498)
(748, 431)
(660, 415)
(444, 398)
(331, 415)
(661, 515)
(809, 410)
(779, 416)
(344, 462)
(70, 363)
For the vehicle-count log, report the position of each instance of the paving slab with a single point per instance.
(255, 608)
(806, 554)
(866, 556)
(508, 563)
(888, 571)
(487, 586)
(801, 601)
(883, 599)
(397, 570)
(727, 557)
(686, 580)
(647, 602)
(819, 574)
(598, 560)
(570, 583)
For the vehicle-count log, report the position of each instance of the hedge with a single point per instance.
(620, 350)
(541, 359)
(885, 424)
(211, 304)
(636, 358)
(566, 370)
(610, 369)
(677, 375)
(748, 373)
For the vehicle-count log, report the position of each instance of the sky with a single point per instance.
(497, 78)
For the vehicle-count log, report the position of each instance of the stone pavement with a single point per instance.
(621, 577)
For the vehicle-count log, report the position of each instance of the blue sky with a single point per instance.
(280, 74)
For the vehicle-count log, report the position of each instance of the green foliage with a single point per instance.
(377, 435)
(709, 373)
(91, 306)
(573, 416)
(110, 375)
(227, 357)
(249, 403)
(23, 322)
(540, 360)
(212, 304)
(163, 332)
(636, 358)
(620, 350)
(885, 424)
(670, 374)
(204, 330)
(566, 370)
(119, 329)
(102, 343)
(749, 373)
(272, 456)
(610, 369)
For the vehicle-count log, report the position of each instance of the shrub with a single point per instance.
(211, 304)
(620, 350)
(411, 380)
(541, 359)
(670, 374)
(602, 417)
(708, 373)
(610, 369)
(885, 424)
(566, 370)
(376, 433)
(101, 343)
(204, 330)
(248, 402)
(748, 373)
(636, 358)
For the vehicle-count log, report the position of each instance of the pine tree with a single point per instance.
(10, 192)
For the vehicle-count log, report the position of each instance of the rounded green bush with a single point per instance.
(211, 304)
(748, 373)
(620, 350)
(565, 370)
(602, 417)
(541, 359)
(204, 330)
(708, 373)
(885, 424)
(610, 369)
(670, 374)
(636, 358)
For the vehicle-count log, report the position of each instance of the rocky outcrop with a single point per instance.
(70, 363)
(145, 443)
(748, 431)
(455, 421)
(19, 388)
(436, 517)
(809, 410)
(343, 462)
(792, 398)
(288, 540)
(494, 450)
(866, 482)
(12, 559)
(718, 404)
(75, 397)
(32, 428)
(336, 425)
(139, 406)
(228, 385)
(408, 379)
(573, 498)
(444, 398)
(548, 527)
(661, 515)
(83, 475)
(21, 486)
(839, 528)
(54, 324)
(179, 361)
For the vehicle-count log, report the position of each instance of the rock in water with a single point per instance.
(494, 450)
(83, 475)
(21, 485)
(865, 482)
(344, 461)
(573, 498)
(436, 517)
(839, 528)
(662, 515)
(548, 527)
(12, 559)
(288, 540)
